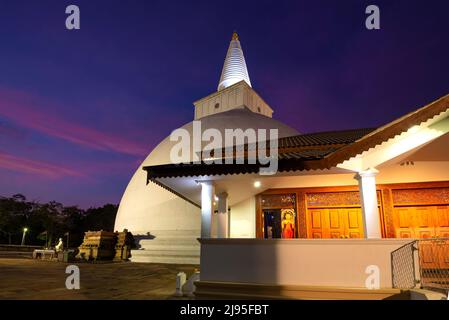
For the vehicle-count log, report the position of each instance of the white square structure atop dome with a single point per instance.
(239, 95)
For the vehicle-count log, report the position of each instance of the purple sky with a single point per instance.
(79, 110)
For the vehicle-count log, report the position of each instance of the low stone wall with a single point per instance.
(297, 262)
(18, 248)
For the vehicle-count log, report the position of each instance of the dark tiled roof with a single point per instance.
(323, 138)
(291, 152)
(320, 150)
(306, 154)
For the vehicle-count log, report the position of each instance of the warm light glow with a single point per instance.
(25, 229)
(257, 184)
(415, 137)
(414, 129)
(216, 198)
(207, 196)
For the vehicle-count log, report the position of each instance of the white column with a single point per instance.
(223, 216)
(207, 208)
(368, 197)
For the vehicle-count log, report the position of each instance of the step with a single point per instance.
(169, 242)
(173, 247)
(176, 234)
(193, 253)
(146, 256)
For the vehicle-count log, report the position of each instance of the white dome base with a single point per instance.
(170, 246)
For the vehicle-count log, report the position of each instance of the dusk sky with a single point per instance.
(80, 109)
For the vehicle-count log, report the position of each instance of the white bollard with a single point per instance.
(180, 281)
(189, 288)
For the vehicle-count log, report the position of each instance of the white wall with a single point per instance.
(304, 262)
(243, 219)
(421, 171)
(236, 96)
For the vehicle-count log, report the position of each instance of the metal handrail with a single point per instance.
(432, 256)
(403, 271)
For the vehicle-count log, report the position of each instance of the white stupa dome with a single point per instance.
(152, 209)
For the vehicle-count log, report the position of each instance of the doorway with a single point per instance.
(279, 224)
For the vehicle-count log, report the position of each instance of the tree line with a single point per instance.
(47, 222)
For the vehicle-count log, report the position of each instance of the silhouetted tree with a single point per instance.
(50, 220)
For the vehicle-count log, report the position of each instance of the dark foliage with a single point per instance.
(50, 221)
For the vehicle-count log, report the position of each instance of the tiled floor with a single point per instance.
(31, 279)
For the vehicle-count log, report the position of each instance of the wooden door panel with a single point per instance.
(423, 217)
(424, 233)
(424, 222)
(353, 219)
(404, 216)
(335, 223)
(442, 216)
(316, 219)
(317, 235)
(402, 221)
(442, 222)
(316, 224)
(353, 222)
(414, 222)
(336, 235)
(334, 219)
(421, 222)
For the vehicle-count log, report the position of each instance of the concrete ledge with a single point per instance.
(18, 248)
(320, 242)
(300, 262)
(228, 290)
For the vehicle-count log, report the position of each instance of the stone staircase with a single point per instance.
(169, 246)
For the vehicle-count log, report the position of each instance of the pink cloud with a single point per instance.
(29, 111)
(24, 165)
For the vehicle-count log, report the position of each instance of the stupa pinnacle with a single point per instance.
(234, 68)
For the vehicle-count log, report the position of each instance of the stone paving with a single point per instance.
(22, 278)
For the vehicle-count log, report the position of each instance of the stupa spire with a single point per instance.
(234, 68)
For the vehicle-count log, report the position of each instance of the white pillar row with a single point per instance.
(207, 208)
(370, 208)
(222, 216)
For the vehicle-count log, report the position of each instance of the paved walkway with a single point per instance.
(34, 279)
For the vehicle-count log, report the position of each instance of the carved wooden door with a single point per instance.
(336, 223)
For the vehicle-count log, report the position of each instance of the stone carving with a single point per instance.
(106, 245)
